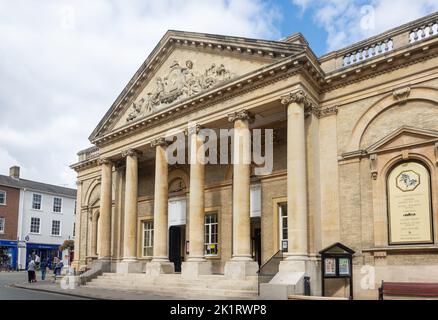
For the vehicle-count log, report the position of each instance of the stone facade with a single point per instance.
(341, 122)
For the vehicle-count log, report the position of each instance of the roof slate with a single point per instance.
(37, 186)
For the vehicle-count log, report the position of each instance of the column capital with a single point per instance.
(241, 115)
(299, 96)
(103, 161)
(159, 142)
(193, 129)
(131, 153)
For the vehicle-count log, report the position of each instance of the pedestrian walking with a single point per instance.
(37, 260)
(31, 271)
(43, 268)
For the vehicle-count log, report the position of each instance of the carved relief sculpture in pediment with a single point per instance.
(179, 83)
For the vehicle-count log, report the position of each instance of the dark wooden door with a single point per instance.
(175, 247)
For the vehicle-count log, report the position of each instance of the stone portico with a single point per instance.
(340, 122)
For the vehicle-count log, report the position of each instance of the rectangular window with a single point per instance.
(211, 245)
(74, 229)
(56, 228)
(36, 201)
(148, 238)
(2, 225)
(57, 205)
(35, 225)
(2, 197)
(282, 212)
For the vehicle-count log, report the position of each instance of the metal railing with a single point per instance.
(268, 270)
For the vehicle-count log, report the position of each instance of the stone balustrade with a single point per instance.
(423, 32)
(368, 52)
(88, 154)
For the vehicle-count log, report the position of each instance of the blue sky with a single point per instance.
(63, 62)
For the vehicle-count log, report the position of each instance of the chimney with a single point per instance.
(14, 172)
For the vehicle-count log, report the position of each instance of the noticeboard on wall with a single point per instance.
(409, 204)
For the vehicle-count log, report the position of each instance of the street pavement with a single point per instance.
(8, 292)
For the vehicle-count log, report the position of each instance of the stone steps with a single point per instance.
(173, 291)
(180, 284)
(173, 284)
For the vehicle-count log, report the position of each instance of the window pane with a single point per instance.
(36, 202)
(2, 197)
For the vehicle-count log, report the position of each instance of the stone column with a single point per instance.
(104, 234)
(241, 264)
(296, 175)
(93, 242)
(77, 226)
(130, 264)
(160, 262)
(196, 263)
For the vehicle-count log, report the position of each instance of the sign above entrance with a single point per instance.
(177, 212)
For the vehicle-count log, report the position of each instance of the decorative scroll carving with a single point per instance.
(193, 130)
(179, 83)
(159, 142)
(373, 166)
(131, 153)
(297, 97)
(401, 94)
(241, 115)
(321, 113)
(104, 161)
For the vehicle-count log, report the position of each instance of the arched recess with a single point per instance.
(92, 196)
(179, 175)
(380, 193)
(418, 93)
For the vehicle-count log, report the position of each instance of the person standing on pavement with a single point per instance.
(43, 268)
(31, 271)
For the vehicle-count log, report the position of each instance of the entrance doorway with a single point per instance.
(177, 239)
(256, 240)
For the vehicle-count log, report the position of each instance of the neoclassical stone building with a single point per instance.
(355, 155)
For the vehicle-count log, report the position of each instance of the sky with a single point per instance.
(63, 63)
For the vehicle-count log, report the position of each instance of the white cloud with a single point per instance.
(62, 63)
(348, 21)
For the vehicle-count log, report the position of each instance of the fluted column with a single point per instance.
(297, 103)
(241, 264)
(196, 201)
(130, 218)
(160, 262)
(104, 234)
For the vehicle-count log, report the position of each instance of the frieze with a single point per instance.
(180, 83)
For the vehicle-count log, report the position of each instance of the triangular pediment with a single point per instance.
(404, 136)
(184, 65)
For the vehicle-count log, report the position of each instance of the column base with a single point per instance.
(194, 269)
(155, 268)
(129, 266)
(103, 264)
(240, 269)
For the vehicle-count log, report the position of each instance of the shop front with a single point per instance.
(8, 255)
(44, 251)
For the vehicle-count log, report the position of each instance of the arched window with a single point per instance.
(409, 204)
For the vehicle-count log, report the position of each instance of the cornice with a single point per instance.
(397, 59)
